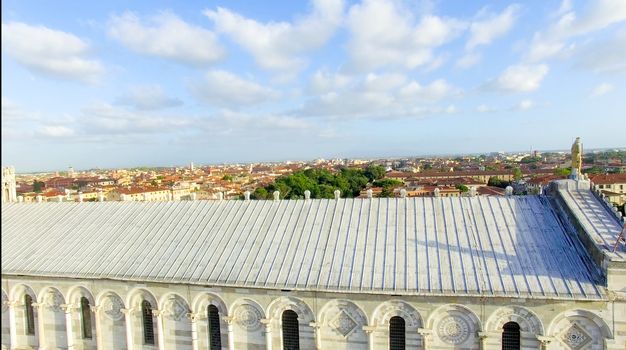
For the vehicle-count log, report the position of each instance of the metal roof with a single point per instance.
(493, 246)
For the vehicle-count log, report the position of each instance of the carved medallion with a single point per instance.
(112, 306)
(343, 323)
(453, 330)
(175, 309)
(575, 337)
(54, 301)
(248, 317)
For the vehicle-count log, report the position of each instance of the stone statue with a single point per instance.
(577, 156)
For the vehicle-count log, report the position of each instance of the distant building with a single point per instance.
(612, 185)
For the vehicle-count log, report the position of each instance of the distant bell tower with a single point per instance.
(577, 159)
(9, 190)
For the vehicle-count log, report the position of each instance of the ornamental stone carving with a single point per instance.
(575, 337)
(343, 323)
(248, 317)
(175, 309)
(54, 301)
(112, 306)
(453, 330)
(527, 320)
(393, 308)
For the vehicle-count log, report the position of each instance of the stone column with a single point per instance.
(40, 325)
(128, 315)
(67, 308)
(268, 333)
(231, 334)
(96, 315)
(161, 338)
(194, 330)
(370, 335)
(12, 325)
(317, 334)
(426, 334)
(482, 336)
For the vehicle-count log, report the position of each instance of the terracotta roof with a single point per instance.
(607, 179)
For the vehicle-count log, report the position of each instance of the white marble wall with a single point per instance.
(251, 318)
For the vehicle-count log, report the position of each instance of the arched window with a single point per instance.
(85, 313)
(215, 337)
(148, 328)
(291, 332)
(30, 315)
(397, 333)
(510, 336)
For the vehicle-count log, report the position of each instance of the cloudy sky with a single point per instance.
(119, 84)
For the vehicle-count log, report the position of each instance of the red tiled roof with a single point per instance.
(607, 179)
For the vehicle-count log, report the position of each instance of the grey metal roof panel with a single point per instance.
(488, 246)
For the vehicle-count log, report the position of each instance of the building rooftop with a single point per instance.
(510, 246)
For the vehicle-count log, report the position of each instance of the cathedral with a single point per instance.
(512, 272)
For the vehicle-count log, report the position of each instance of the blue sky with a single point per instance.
(159, 83)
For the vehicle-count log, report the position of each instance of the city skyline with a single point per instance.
(116, 85)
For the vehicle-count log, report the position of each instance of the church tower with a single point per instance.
(9, 192)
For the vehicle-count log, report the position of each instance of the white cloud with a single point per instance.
(50, 52)
(384, 33)
(280, 46)
(525, 105)
(601, 89)
(485, 31)
(558, 37)
(56, 131)
(167, 36)
(604, 56)
(323, 81)
(520, 78)
(10, 110)
(149, 97)
(485, 109)
(225, 89)
(380, 96)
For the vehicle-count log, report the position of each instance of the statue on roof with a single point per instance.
(577, 157)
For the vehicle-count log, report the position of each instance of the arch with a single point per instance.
(203, 300)
(579, 314)
(527, 320)
(247, 313)
(385, 311)
(137, 295)
(52, 297)
(18, 291)
(277, 307)
(76, 292)
(343, 317)
(111, 304)
(174, 306)
(455, 324)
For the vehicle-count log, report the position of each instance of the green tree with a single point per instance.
(462, 187)
(227, 178)
(517, 174)
(562, 171)
(38, 186)
(375, 172)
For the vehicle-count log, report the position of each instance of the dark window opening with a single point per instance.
(510, 336)
(148, 327)
(215, 336)
(30, 315)
(85, 313)
(397, 333)
(291, 331)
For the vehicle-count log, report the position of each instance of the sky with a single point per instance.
(160, 83)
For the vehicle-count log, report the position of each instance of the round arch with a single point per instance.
(76, 292)
(587, 315)
(527, 320)
(281, 304)
(385, 311)
(202, 301)
(137, 295)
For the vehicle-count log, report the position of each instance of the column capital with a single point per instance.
(127, 311)
(95, 308)
(39, 305)
(157, 312)
(315, 325)
(544, 339)
(12, 303)
(425, 331)
(68, 307)
(193, 316)
(267, 322)
(369, 329)
(228, 319)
